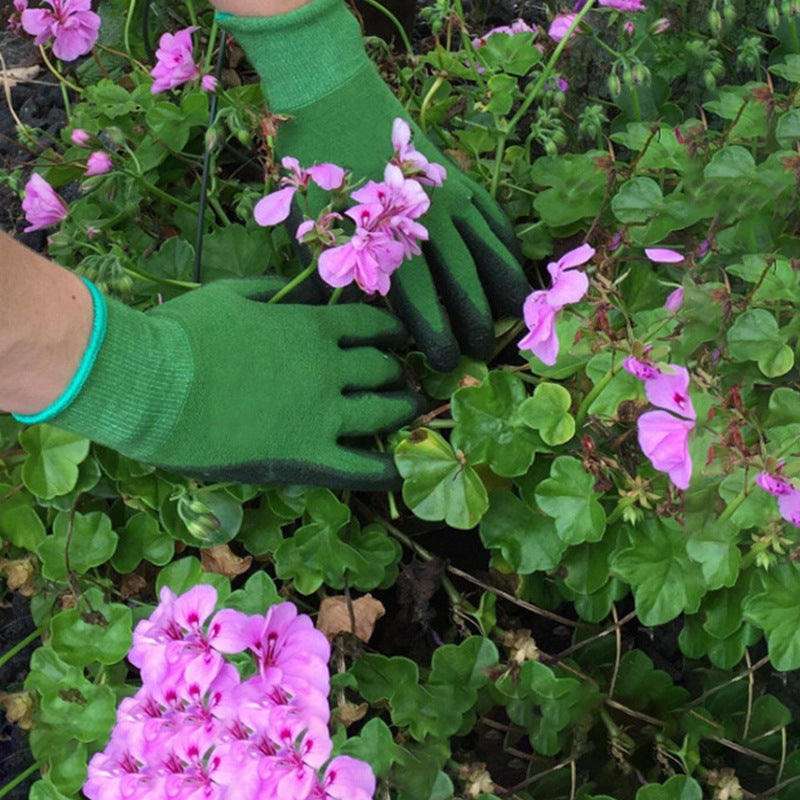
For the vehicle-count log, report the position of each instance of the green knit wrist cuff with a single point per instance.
(303, 55)
(99, 324)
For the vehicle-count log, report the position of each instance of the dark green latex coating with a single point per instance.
(219, 385)
(469, 267)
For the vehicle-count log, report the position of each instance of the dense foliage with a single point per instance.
(533, 673)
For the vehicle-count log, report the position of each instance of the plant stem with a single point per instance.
(587, 401)
(126, 31)
(19, 778)
(164, 195)
(58, 76)
(396, 22)
(532, 94)
(146, 276)
(427, 101)
(19, 646)
(334, 298)
(296, 281)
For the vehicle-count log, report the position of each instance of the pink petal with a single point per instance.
(661, 255)
(569, 287)
(789, 506)
(401, 134)
(326, 176)
(774, 484)
(337, 265)
(541, 338)
(675, 300)
(639, 369)
(275, 207)
(670, 390)
(98, 163)
(664, 439)
(575, 258)
(560, 25)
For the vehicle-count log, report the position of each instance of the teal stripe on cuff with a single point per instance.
(96, 338)
(222, 15)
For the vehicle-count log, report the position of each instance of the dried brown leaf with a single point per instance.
(16, 75)
(222, 560)
(334, 616)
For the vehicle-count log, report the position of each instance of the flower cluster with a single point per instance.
(71, 24)
(663, 436)
(196, 730)
(175, 63)
(540, 307)
(788, 496)
(385, 217)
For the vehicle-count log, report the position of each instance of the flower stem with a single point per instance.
(126, 31)
(19, 646)
(587, 401)
(4, 790)
(57, 75)
(396, 22)
(532, 94)
(164, 195)
(146, 276)
(296, 281)
(334, 298)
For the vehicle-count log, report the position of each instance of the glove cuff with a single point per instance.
(74, 387)
(129, 391)
(303, 55)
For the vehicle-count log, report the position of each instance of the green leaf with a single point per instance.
(103, 635)
(490, 425)
(678, 787)
(91, 542)
(578, 186)
(442, 385)
(515, 54)
(568, 496)
(184, 573)
(641, 686)
(754, 336)
(548, 412)
(787, 131)
(776, 611)
(637, 200)
(732, 161)
(465, 665)
(236, 252)
(44, 790)
(768, 715)
(782, 420)
(664, 579)
(19, 522)
(256, 596)
(375, 745)
(51, 468)
(211, 517)
(527, 540)
(439, 483)
(502, 90)
(378, 676)
(586, 564)
(141, 538)
(713, 545)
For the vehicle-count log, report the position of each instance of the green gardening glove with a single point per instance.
(219, 384)
(313, 67)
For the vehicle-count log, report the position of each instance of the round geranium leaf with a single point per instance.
(51, 468)
(439, 482)
(548, 412)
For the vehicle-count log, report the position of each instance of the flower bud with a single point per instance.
(709, 79)
(627, 76)
(114, 135)
(614, 85)
(773, 17)
(640, 73)
(715, 21)
(729, 13)
(659, 26)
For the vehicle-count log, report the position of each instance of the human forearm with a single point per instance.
(45, 322)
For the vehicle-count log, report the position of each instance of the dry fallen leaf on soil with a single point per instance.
(14, 75)
(334, 616)
(222, 560)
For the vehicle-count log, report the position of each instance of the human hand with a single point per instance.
(222, 385)
(315, 70)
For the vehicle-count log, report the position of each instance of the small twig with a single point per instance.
(7, 91)
(618, 655)
(8, 495)
(635, 714)
(607, 632)
(749, 671)
(750, 686)
(515, 600)
(533, 778)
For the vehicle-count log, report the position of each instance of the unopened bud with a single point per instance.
(243, 136)
(114, 135)
(640, 73)
(627, 76)
(715, 21)
(773, 17)
(709, 79)
(614, 85)
(659, 26)
(729, 13)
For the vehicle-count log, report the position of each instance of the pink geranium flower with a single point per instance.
(276, 206)
(42, 206)
(517, 26)
(412, 163)
(788, 496)
(664, 439)
(71, 24)
(98, 163)
(774, 484)
(80, 137)
(175, 63)
(670, 390)
(540, 307)
(560, 25)
(15, 20)
(675, 300)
